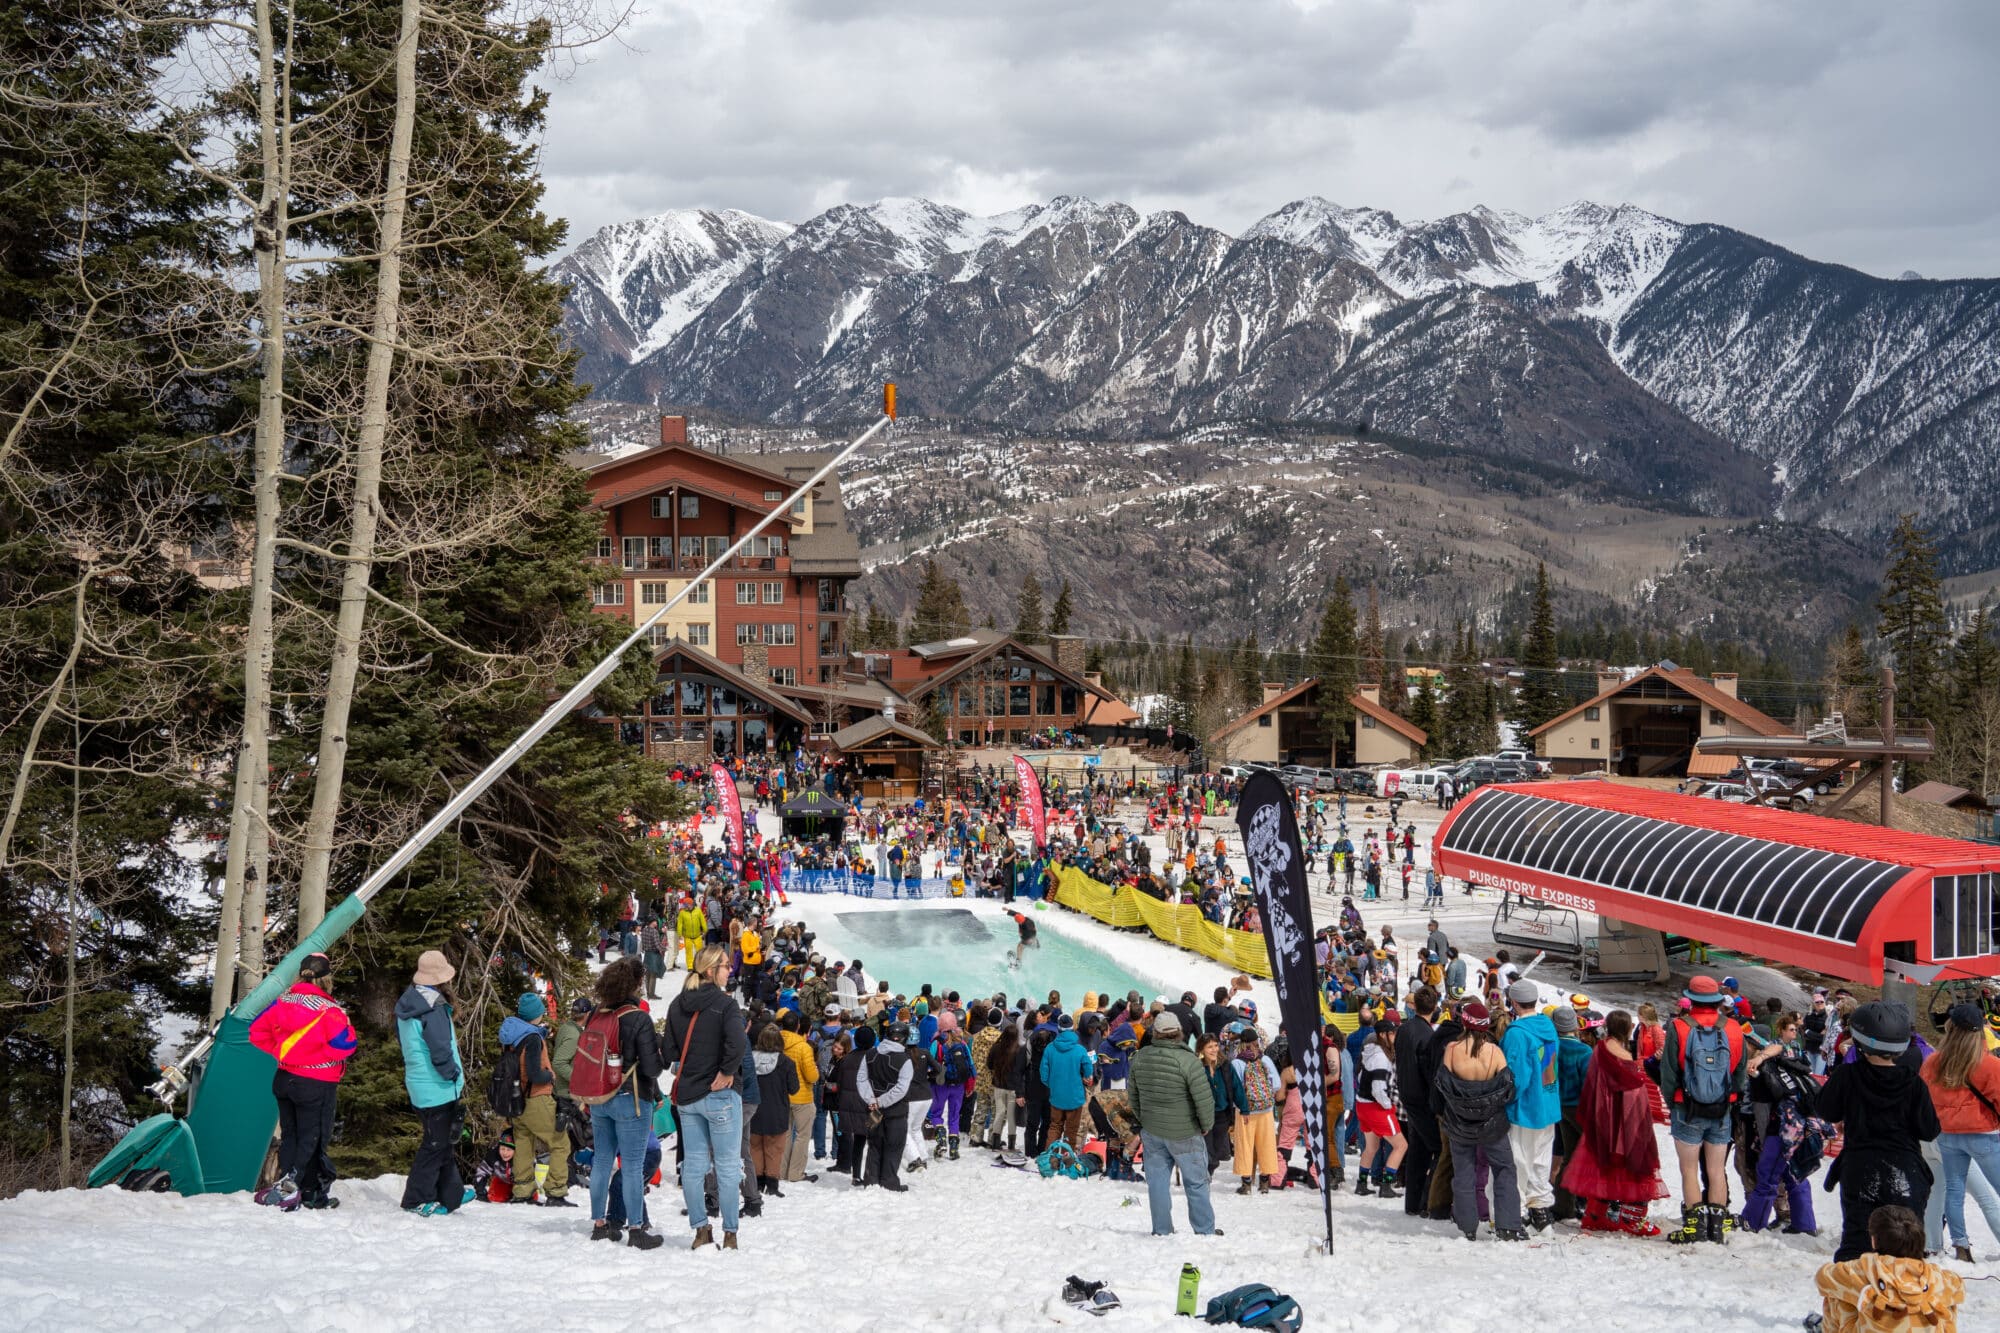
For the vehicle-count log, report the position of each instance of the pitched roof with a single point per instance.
(1388, 717)
(871, 729)
(1109, 713)
(1943, 793)
(590, 463)
(1760, 722)
(968, 642)
(715, 666)
(1383, 715)
(986, 643)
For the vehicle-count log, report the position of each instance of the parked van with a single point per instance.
(1416, 784)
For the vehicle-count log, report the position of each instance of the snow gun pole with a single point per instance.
(173, 1079)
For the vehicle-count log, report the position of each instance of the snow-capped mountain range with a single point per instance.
(1686, 363)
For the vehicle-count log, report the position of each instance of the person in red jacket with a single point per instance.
(308, 1034)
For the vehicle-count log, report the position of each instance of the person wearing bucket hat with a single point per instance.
(1886, 1116)
(434, 1078)
(1703, 1073)
(1964, 1082)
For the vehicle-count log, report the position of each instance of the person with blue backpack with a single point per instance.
(1703, 1073)
(1529, 1045)
(952, 1056)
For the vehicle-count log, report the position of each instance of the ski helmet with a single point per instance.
(1881, 1028)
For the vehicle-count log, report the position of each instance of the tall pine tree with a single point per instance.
(1332, 660)
(940, 612)
(1541, 696)
(1060, 613)
(1913, 625)
(1028, 611)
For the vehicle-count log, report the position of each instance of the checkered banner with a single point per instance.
(1278, 877)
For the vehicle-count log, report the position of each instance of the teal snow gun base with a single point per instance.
(220, 1144)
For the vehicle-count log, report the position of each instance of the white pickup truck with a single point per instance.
(1542, 766)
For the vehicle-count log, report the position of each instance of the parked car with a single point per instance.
(1537, 766)
(1777, 790)
(1726, 791)
(1302, 775)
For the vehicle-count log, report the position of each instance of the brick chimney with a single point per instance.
(1067, 650)
(1725, 682)
(673, 430)
(756, 663)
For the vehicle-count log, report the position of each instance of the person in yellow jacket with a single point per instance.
(793, 1026)
(751, 945)
(690, 925)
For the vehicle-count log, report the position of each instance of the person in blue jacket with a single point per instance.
(1066, 1070)
(434, 1077)
(1530, 1048)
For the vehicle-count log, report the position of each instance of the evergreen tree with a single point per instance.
(1913, 622)
(1059, 615)
(1466, 715)
(1028, 611)
(112, 673)
(1396, 679)
(1424, 713)
(1968, 741)
(1187, 686)
(1332, 662)
(940, 612)
(1250, 672)
(1374, 653)
(1541, 695)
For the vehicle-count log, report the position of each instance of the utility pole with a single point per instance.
(1887, 775)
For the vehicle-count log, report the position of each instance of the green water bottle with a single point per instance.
(1190, 1290)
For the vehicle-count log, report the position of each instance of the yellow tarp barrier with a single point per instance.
(1180, 924)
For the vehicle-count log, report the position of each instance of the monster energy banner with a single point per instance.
(1278, 877)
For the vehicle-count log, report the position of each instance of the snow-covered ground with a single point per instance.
(971, 1246)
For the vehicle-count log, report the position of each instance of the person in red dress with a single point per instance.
(1616, 1165)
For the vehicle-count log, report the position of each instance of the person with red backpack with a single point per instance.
(616, 1074)
(1704, 1070)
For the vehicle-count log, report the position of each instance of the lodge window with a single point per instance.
(784, 675)
(1017, 701)
(1264, 721)
(660, 548)
(698, 635)
(694, 697)
(690, 506)
(772, 497)
(1590, 714)
(635, 552)
(657, 635)
(690, 550)
(606, 548)
(698, 595)
(1597, 742)
(746, 595)
(1069, 700)
(663, 506)
(1367, 722)
(608, 594)
(1715, 717)
(774, 594)
(653, 594)
(1045, 699)
(748, 634)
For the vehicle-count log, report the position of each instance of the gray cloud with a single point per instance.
(1846, 130)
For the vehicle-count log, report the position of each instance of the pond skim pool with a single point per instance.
(973, 954)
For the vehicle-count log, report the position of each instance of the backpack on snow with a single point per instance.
(1255, 1306)
(957, 1063)
(1705, 1072)
(600, 1071)
(506, 1092)
(1059, 1159)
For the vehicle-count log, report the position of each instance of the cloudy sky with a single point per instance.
(1850, 131)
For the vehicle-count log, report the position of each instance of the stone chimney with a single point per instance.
(1725, 682)
(1272, 689)
(1067, 650)
(1372, 692)
(673, 430)
(757, 663)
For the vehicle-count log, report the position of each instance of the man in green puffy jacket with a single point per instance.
(1170, 1094)
(434, 1076)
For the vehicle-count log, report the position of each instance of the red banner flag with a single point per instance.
(732, 807)
(1031, 801)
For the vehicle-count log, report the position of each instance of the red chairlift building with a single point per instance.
(1847, 900)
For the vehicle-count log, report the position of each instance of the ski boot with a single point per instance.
(1718, 1223)
(953, 1141)
(1541, 1219)
(1386, 1189)
(282, 1194)
(1693, 1228)
(1361, 1183)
